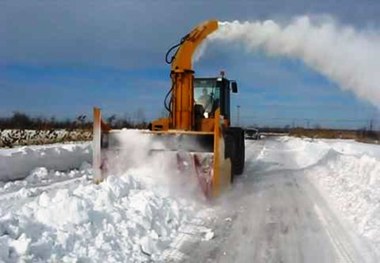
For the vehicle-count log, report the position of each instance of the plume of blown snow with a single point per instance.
(346, 56)
(147, 157)
(199, 52)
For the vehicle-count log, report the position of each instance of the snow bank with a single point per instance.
(116, 221)
(307, 152)
(351, 147)
(17, 163)
(348, 174)
(352, 184)
(295, 154)
(40, 177)
(61, 216)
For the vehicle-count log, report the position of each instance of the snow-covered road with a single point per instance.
(279, 212)
(299, 200)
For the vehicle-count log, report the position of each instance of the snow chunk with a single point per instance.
(37, 174)
(147, 245)
(208, 235)
(21, 245)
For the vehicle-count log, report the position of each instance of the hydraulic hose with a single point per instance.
(169, 61)
(172, 48)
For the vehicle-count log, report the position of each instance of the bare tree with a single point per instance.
(140, 115)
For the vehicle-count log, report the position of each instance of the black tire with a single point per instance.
(229, 150)
(235, 149)
(240, 151)
(242, 154)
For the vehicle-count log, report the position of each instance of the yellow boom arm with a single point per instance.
(182, 117)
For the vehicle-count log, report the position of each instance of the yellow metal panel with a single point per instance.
(96, 146)
(208, 124)
(160, 124)
(221, 179)
(174, 132)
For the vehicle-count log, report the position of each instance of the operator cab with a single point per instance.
(211, 93)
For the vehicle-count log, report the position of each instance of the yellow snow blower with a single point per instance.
(198, 124)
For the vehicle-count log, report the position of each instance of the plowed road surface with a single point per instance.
(275, 214)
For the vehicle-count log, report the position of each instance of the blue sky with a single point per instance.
(62, 58)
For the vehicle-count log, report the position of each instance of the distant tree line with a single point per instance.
(116, 122)
(359, 134)
(22, 121)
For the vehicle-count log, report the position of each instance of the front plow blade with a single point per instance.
(201, 153)
(213, 170)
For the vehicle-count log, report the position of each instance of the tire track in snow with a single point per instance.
(343, 255)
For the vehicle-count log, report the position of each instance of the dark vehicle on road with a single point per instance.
(252, 133)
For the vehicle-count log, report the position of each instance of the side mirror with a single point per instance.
(234, 87)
